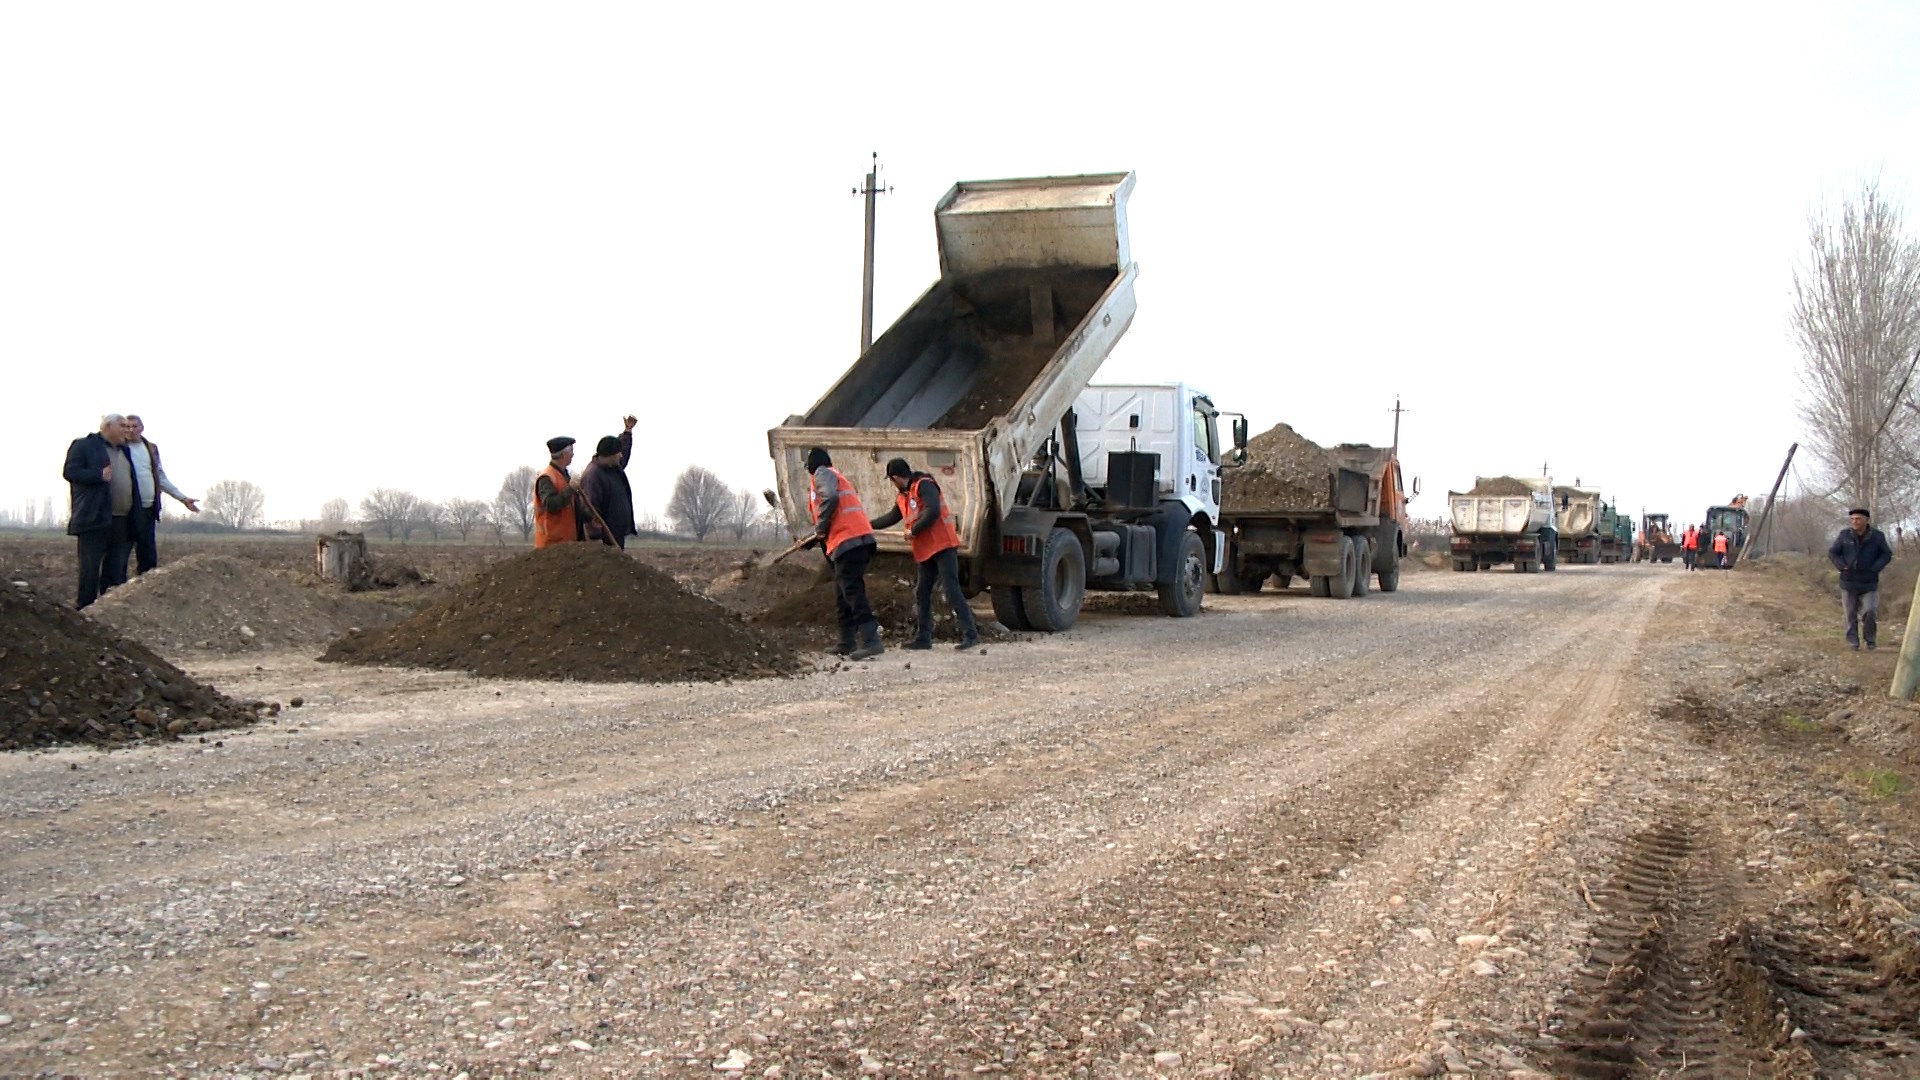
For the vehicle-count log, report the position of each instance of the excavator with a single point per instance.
(1657, 542)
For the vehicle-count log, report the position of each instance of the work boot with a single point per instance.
(918, 644)
(847, 644)
(870, 646)
(968, 642)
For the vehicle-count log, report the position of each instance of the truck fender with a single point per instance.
(1320, 553)
(1170, 524)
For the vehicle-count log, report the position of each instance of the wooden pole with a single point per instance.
(1906, 673)
(1767, 510)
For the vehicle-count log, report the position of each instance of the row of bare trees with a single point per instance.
(702, 507)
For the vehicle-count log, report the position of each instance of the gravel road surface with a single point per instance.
(1290, 837)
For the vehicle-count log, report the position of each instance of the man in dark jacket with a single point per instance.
(100, 500)
(1860, 552)
(936, 549)
(606, 488)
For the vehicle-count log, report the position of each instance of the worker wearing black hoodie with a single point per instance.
(936, 548)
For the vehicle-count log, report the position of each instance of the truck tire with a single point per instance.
(1550, 556)
(1362, 566)
(1318, 586)
(1254, 583)
(1386, 558)
(1181, 599)
(1340, 585)
(1055, 605)
(1008, 606)
(1462, 566)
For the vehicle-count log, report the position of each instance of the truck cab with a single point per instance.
(1172, 421)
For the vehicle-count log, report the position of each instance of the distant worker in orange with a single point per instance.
(923, 508)
(556, 510)
(842, 530)
(1690, 546)
(1720, 550)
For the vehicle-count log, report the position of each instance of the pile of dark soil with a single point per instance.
(890, 584)
(749, 588)
(219, 603)
(574, 611)
(1284, 471)
(65, 678)
(1505, 487)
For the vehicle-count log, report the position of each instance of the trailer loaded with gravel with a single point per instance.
(1336, 517)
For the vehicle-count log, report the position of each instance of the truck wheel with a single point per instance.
(1386, 558)
(1362, 566)
(1318, 586)
(1254, 583)
(1055, 605)
(1182, 598)
(1340, 585)
(1008, 606)
(1462, 566)
(1550, 557)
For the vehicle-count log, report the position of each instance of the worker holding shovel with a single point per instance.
(842, 530)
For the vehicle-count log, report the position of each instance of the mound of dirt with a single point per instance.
(65, 678)
(1284, 471)
(749, 588)
(890, 585)
(574, 611)
(1503, 487)
(219, 603)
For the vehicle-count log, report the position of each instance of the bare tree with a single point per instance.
(1856, 318)
(387, 509)
(428, 515)
(700, 502)
(237, 504)
(334, 515)
(465, 514)
(743, 513)
(513, 506)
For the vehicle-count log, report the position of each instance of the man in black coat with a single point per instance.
(1860, 552)
(100, 500)
(606, 487)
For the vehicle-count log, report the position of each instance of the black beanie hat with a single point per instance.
(899, 467)
(817, 457)
(609, 444)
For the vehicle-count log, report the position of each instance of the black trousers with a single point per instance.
(103, 560)
(146, 552)
(850, 588)
(944, 569)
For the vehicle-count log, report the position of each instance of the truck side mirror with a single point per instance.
(1240, 433)
(1416, 485)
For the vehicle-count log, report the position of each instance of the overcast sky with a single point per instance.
(330, 247)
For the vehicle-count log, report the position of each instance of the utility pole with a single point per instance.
(1767, 510)
(871, 189)
(1397, 410)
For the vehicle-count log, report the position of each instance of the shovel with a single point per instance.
(766, 561)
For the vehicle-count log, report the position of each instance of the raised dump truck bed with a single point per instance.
(974, 384)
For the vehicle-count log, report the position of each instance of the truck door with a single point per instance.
(1201, 486)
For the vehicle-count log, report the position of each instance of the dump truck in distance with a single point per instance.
(1589, 529)
(1056, 486)
(1504, 519)
(1336, 517)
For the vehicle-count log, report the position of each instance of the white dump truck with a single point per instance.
(1056, 486)
(1504, 519)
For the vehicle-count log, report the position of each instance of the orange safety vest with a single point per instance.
(1720, 543)
(935, 538)
(1691, 542)
(560, 528)
(849, 518)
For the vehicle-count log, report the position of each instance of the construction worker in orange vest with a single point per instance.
(1720, 549)
(1690, 546)
(842, 530)
(928, 520)
(556, 513)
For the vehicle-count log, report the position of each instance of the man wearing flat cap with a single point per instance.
(556, 513)
(1860, 552)
(604, 485)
